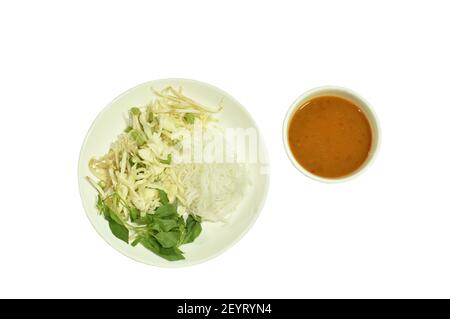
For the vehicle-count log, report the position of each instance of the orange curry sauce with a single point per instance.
(330, 136)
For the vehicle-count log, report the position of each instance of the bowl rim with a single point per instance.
(327, 90)
(232, 242)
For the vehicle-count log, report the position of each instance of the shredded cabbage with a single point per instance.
(140, 162)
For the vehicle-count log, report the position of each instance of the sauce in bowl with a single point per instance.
(330, 136)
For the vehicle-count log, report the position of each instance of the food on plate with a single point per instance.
(150, 191)
(330, 136)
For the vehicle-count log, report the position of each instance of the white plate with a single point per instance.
(215, 237)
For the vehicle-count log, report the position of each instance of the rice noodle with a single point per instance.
(213, 190)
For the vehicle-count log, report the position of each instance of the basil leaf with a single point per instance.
(146, 220)
(107, 213)
(164, 225)
(171, 254)
(151, 244)
(163, 197)
(193, 229)
(166, 211)
(113, 216)
(189, 222)
(119, 231)
(193, 233)
(168, 239)
(134, 214)
(197, 218)
(182, 229)
(141, 221)
(104, 209)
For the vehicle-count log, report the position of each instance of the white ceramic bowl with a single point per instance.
(215, 237)
(346, 94)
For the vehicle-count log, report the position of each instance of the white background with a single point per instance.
(384, 234)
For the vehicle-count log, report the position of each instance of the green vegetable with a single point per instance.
(120, 231)
(166, 211)
(113, 216)
(100, 204)
(136, 241)
(151, 244)
(168, 239)
(128, 129)
(135, 111)
(137, 136)
(167, 161)
(165, 230)
(103, 209)
(146, 220)
(193, 229)
(164, 225)
(134, 214)
(189, 118)
(163, 197)
(171, 254)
